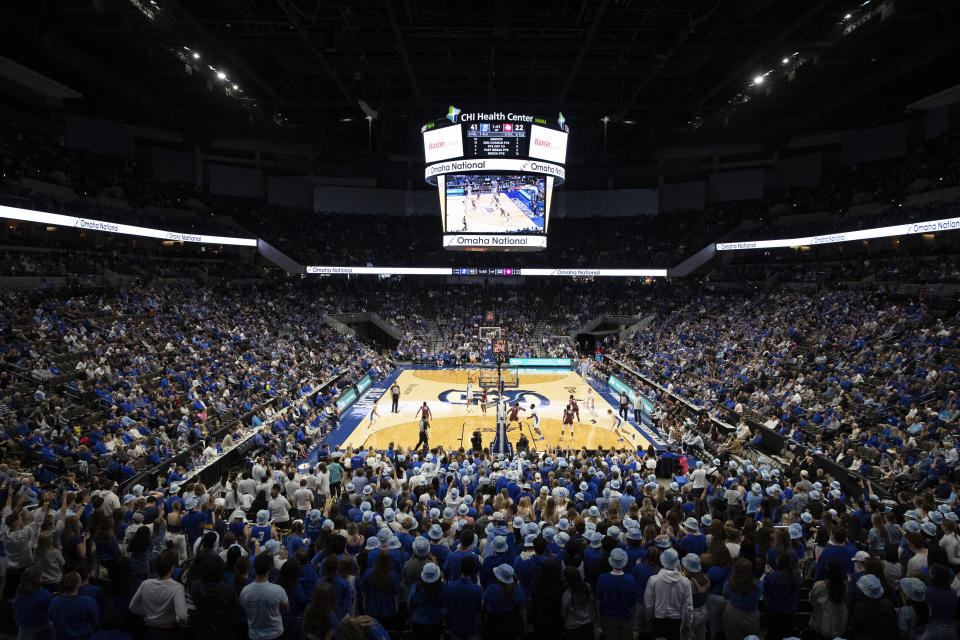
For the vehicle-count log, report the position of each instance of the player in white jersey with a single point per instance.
(591, 405)
(469, 396)
(374, 414)
(535, 419)
(615, 422)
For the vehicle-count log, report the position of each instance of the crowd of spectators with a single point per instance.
(850, 528)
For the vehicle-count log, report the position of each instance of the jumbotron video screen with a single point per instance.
(495, 203)
(495, 173)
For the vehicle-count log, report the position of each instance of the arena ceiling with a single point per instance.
(629, 75)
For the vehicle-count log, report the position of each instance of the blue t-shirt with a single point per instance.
(780, 592)
(495, 600)
(844, 553)
(426, 606)
(641, 575)
(462, 598)
(744, 601)
(694, 543)
(95, 592)
(30, 610)
(616, 596)
(380, 603)
(72, 616)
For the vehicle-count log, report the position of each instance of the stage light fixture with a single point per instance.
(196, 56)
(758, 80)
(221, 75)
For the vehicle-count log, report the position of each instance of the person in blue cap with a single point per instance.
(616, 598)
(873, 616)
(699, 591)
(504, 606)
(913, 615)
(425, 603)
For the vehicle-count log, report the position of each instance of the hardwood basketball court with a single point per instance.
(452, 425)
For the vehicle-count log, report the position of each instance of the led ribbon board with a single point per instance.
(540, 362)
(456, 271)
(494, 164)
(911, 228)
(87, 224)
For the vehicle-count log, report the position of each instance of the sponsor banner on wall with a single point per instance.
(346, 399)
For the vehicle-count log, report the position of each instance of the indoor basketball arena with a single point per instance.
(580, 320)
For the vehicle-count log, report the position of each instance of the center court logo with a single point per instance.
(522, 396)
(452, 114)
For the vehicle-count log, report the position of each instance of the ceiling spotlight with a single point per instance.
(785, 61)
(758, 80)
(235, 87)
(196, 56)
(848, 16)
(221, 75)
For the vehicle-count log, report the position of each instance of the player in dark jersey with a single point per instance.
(575, 407)
(514, 415)
(483, 402)
(424, 412)
(567, 420)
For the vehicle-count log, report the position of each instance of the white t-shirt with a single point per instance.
(303, 497)
(279, 509)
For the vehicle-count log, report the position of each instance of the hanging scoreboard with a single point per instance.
(495, 173)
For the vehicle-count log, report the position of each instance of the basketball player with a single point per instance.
(514, 415)
(615, 422)
(575, 407)
(591, 405)
(483, 402)
(464, 223)
(373, 415)
(567, 420)
(424, 412)
(469, 395)
(536, 420)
